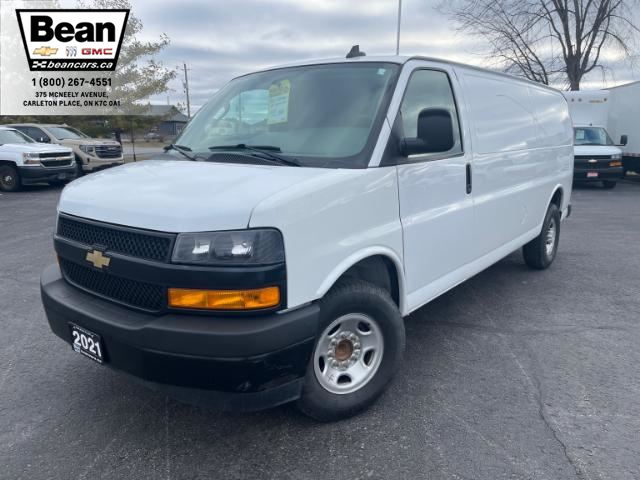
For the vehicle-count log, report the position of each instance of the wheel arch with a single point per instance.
(367, 265)
(557, 197)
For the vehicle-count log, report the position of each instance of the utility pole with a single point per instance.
(399, 21)
(186, 89)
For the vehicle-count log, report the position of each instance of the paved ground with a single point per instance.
(514, 374)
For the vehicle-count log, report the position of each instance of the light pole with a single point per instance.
(399, 20)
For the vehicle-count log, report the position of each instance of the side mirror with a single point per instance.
(624, 140)
(44, 140)
(435, 133)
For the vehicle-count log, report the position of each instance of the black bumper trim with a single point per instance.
(38, 174)
(228, 355)
(609, 173)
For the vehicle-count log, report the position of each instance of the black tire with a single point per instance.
(9, 179)
(536, 254)
(354, 296)
(609, 184)
(79, 171)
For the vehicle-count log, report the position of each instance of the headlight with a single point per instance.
(90, 149)
(31, 158)
(233, 247)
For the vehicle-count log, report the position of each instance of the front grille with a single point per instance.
(594, 157)
(147, 245)
(54, 154)
(65, 162)
(130, 292)
(109, 151)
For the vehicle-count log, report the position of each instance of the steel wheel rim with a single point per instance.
(550, 240)
(8, 180)
(348, 353)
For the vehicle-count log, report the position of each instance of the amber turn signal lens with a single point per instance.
(615, 164)
(224, 299)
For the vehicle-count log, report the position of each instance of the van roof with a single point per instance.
(401, 60)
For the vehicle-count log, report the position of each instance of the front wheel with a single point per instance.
(79, 170)
(9, 179)
(540, 252)
(357, 352)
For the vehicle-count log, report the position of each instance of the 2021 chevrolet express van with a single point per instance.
(306, 211)
(91, 154)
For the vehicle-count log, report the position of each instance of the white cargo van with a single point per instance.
(624, 120)
(307, 210)
(597, 158)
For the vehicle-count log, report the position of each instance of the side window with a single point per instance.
(36, 134)
(429, 89)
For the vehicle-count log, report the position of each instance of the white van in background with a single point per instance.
(308, 209)
(597, 158)
(624, 119)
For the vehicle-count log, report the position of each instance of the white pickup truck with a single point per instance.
(24, 161)
(304, 211)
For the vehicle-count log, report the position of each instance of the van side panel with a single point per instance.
(522, 138)
(330, 223)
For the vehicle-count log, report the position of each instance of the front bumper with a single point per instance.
(94, 164)
(235, 363)
(40, 174)
(604, 173)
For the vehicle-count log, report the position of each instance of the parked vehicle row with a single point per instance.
(23, 161)
(82, 154)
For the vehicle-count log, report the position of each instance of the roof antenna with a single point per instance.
(355, 52)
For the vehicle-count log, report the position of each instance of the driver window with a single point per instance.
(429, 89)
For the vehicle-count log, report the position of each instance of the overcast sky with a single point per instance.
(220, 39)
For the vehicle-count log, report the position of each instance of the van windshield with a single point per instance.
(592, 136)
(320, 115)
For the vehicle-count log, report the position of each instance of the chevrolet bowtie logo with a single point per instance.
(97, 259)
(45, 51)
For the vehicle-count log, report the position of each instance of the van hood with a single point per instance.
(586, 150)
(34, 148)
(179, 196)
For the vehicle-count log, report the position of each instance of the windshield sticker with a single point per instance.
(579, 134)
(279, 102)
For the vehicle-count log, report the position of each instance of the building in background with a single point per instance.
(171, 121)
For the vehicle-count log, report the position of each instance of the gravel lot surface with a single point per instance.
(514, 374)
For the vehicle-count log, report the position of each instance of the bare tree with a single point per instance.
(549, 41)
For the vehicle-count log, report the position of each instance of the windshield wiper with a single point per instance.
(265, 151)
(180, 149)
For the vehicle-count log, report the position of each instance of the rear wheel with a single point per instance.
(9, 178)
(608, 184)
(357, 352)
(540, 252)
